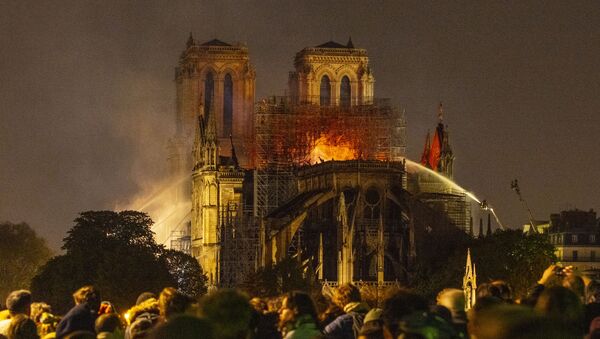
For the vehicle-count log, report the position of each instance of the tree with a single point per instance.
(284, 276)
(513, 256)
(116, 252)
(508, 255)
(22, 252)
(186, 271)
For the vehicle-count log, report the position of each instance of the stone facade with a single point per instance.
(332, 74)
(576, 235)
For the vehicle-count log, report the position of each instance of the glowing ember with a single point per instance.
(332, 148)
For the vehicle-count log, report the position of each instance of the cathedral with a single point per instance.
(318, 174)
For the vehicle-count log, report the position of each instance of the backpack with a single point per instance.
(357, 322)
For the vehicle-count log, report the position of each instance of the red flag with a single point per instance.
(436, 147)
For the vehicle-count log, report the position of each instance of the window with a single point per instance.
(592, 255)
(575, 255)
(592, 238)
(345, 92)
(325, 98)
(209, 91)
(574, 238)
(227, 106)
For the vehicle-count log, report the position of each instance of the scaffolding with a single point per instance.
(238, 236)
(287, 131)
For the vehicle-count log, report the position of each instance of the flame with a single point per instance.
(329, 147)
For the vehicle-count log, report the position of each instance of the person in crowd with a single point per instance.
(298, 317)
(592, 303)
(424, 325)
(504, 291)
(18, 302)
(488, 290)
(172, 302)
(506, 321)
(229, 312)
(563, 307)
(83, 315)
(81, 335)
(109, 326)
(264, 322)
(22, 327)
(184, 327)
(142, 317)
(373, 325)
(106, 307)
(37, 309)
(399, 304)
(141, 328)
(347, 325)
(575, 283)
(145, 296)
(41, 314)
(47, 326)
(454, 300)
(329, 314)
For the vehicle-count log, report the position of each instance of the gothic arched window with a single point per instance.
(209, 91)
(345, 92)
(325, 98)
(227, 105)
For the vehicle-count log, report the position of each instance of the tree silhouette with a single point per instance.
(116, 252)
(22, 252)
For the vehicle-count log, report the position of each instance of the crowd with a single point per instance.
(561, 305)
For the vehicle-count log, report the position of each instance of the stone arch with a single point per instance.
(228, 69)
(209, 80)
(228, 95)
(345, 91)
(325, 90)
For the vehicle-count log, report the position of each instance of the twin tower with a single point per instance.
(215, 146)
(219, 76)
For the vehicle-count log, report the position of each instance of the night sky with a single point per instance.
(87, 97)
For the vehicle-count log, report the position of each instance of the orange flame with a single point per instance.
(332, 148)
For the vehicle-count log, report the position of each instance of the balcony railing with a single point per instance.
(580, 259)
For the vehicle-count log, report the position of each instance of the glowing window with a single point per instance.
(227, 105)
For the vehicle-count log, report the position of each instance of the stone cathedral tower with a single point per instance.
(219, 75)
(215, 126)
(332, 74)
(213, 76)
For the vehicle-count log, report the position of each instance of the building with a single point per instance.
(439, 157)
(576, 235)
(319, 173)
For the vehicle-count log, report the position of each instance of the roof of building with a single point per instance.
(333, 44)
(215, 42)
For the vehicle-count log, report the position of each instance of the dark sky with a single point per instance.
(87, 94)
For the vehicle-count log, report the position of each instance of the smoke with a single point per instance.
(145, 123)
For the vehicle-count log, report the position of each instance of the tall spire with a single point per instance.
(350, 44)
(190, 40)
(210, 137)
(440, 112)
(489, 226)
(480, 228)
(211, 122)
(470, 282)
(233, 155)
